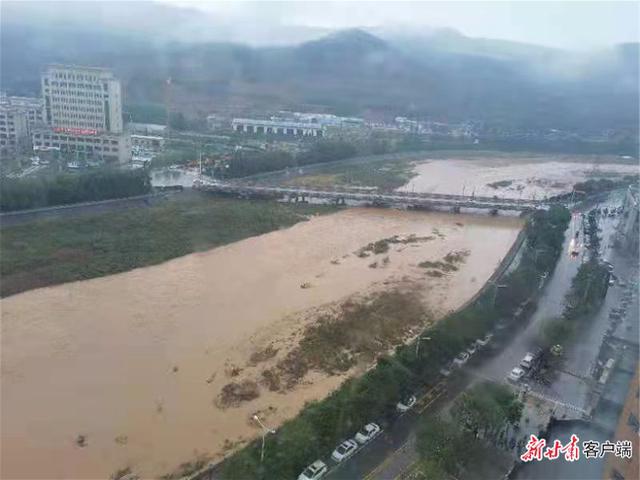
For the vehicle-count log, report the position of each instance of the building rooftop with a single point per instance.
(276, 123)
(78, 67)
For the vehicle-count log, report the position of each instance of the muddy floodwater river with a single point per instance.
(123, 371)
(527, 177)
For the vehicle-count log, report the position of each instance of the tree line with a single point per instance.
(250, 162)
(484, 412)
(61, 189)
(321, 425)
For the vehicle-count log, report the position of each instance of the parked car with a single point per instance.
(483, 342)
(461, 359)
(316, 470)
(344, 450)
(406, 404)
(527, 361)
(516, 374)
(368, 432)
(472, 349)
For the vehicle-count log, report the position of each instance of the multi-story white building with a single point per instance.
(83, 98)
(106, 147)
(14, 130)
(83, 114)
(31, 106)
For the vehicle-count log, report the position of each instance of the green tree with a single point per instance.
(486, 409)
(177, 121)
(437, 441)
(555, 331)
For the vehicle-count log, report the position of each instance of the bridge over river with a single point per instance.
(341, 195)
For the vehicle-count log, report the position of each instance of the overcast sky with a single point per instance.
(568, 24)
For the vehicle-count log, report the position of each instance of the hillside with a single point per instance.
(444, 76)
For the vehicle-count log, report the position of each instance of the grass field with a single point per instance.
(384, 174)
(55, 251)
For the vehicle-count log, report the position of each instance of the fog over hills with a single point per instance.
(435, 73)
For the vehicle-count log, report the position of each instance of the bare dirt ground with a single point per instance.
(518, 176)
(166, 364)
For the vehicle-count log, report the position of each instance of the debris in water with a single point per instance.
(233, 394)
(81, 441)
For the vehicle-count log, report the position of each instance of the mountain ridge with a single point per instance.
(444, 75)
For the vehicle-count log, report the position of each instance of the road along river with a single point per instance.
(124, 371)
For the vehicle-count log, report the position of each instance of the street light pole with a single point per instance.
(495, 292)
(265, 432)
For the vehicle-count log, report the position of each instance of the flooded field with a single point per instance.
(534, 177)
(127, 370)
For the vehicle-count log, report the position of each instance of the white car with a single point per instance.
(471, 349)
(516, 374)
(461, 359)
(314, 471)
(344, 450)
(483, 342)
(368, 432)
(527, 361)
(406, 404)
(446, 371)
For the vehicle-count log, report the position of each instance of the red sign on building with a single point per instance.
(75, 131)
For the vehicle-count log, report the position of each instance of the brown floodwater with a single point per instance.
(134, 361)
(523, 177)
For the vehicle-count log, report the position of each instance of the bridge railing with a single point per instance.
(424, 199)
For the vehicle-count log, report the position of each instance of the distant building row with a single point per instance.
(276, 127)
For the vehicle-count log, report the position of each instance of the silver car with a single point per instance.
(345, 450)
(314, 471)
(368, 432)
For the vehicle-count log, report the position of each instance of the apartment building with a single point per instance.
(14, 130)
(31, 106)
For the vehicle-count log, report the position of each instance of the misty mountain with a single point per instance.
(439, 74)
(156, 22)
